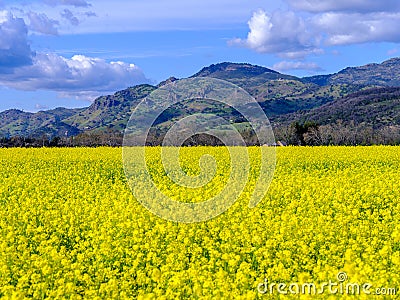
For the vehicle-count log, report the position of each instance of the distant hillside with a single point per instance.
(242, 74)
(384, 74)
(277, 93)
(376, 107)
(283, 97)
(110, 112)
(16, 122)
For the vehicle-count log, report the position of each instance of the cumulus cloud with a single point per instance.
(282, 33)
(298, 65)
(75, 3)
(360, 6)
(23, 69)
(14, 49)
(39, 22)
(345, 22)
(355, 28)
(40, 106)
(68, 15)
(332, 22)
(53, 72)
(90, 14)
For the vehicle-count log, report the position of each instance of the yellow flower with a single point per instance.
(71, 228)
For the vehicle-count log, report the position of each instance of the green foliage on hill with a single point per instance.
(384, 74)
(376, 107)
(16, 122)
(352, 95)
(110, 112)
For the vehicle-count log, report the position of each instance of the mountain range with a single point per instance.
(367, 93)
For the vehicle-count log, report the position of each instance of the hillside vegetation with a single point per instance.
(356, 96)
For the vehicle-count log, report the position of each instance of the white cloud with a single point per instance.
(90, 14)
(82, 95)
(282, 33)
(300, 54)
(332, 22)
(25, 70)
(298, 65)
(75, 3)
(14, 49)
(345, 22)
(39, 22)
(40, 106)
(68, 15)
(360, 6)
(138, 15)
(80, 73)
(355, 28)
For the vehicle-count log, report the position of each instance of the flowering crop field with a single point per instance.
(70, 227)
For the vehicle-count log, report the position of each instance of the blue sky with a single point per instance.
(67, 52)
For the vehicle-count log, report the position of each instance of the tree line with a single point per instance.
(342, 134)
(86, 139)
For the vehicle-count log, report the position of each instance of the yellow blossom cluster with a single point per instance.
(71, 228)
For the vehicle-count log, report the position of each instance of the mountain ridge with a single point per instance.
(362, 75)
(379, 107)
(278, 94)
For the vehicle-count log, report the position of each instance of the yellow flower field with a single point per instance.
(71, 228)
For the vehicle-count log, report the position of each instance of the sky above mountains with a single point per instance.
(67, 52)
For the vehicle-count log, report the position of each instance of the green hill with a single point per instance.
(277, 93)
(376, 107)
(283, 97)
(15, 122)
(110, 112)
(384, 74)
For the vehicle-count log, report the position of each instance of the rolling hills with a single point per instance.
(376, 107)
(384, 74)
(355, 93)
